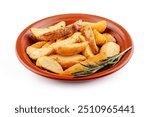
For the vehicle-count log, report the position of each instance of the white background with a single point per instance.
(128, 86)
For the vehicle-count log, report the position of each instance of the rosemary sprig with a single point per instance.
(103, 64)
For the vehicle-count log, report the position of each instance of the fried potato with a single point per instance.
(35, 53)
(38, 33)
(47, 48)
(70, 40)
(49, 64)
(68, 61)
(68, 50)
(63, 32)
(110, 49)
(89, 36)
(103, 38)
(34, 47)
(87, 52)
(79, 67)
(99, 26)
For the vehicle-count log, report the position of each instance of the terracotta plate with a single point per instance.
(121, 35)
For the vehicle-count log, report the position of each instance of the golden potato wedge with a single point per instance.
(103, 38)
(38, 33)
(87, 52)
(63, 32)
(99, 38)
(47, 48)
(110, 49)
(70, 40)
(35, 53)
(99, 26)
(68, 50)
(49, 64)
(68, 61)
(89, 36)
(79, 67)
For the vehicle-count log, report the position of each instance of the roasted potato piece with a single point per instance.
(68, 61)
(62, 32)
(110, 49)
(99, 26)
(89, 36)
(49, 64)
(48, 48)
(103, 38)
(70, 40)
(38, 33)
(35, 53)
(107, 50)
(79, 67)
(68, 50)
(87, 52)
(34, 47)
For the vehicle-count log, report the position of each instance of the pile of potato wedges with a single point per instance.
(62, 48)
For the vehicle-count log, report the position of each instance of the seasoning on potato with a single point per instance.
(78, 49)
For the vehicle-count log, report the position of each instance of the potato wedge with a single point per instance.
(110, 49)
(35, 53)
(79, 67)
(99, 26)
(70, 40)
(87, 52)
(38, 33)
(103, 38)
(89, 36)
(63, 32)
(49, 64)
(68, 61)
(68, 50)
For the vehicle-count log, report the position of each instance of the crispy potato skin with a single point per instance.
(68, 61)
(49, 64)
